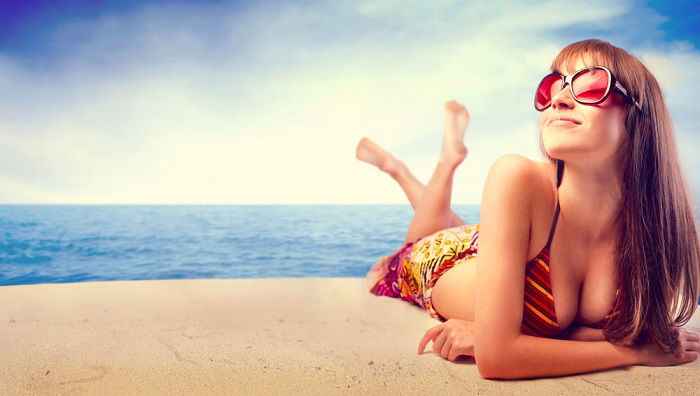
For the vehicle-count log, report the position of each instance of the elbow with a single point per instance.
(496, 366)
(490, 370)
(486, 372)
(496, 371)
(496, 358)
(490, 366)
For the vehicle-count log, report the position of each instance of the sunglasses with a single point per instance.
(588, 86)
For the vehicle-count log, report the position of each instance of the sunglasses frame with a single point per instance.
(612, 83)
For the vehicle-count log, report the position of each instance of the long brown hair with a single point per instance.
(658, 254)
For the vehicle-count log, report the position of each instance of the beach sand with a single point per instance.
(252, 336)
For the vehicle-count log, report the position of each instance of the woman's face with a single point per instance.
(596, 130)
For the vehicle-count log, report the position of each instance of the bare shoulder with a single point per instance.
(524, 189)
(510, 197)
(522, 166)
(515, 174)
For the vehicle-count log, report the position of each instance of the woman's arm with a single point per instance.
(530, 357)
(500, 350)
(562, 357)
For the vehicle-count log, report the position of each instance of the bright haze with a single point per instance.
(214, 102)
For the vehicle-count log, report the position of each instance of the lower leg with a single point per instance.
(372, 153)
(433, 211)
(415, 190)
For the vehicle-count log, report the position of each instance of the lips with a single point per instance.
(562, 118)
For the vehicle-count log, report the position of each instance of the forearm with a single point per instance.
(583, 333)
(531, 357)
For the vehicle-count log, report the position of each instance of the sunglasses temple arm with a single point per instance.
(624, 92)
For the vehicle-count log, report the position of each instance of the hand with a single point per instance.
(686, 351)
(450, 339)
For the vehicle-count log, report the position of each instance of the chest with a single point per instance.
(584, 282)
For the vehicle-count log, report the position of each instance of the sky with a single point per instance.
(231, 102)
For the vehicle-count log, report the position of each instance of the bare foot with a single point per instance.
(456, 121)
(372, 153)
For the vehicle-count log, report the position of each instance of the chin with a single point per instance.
(557, 151)
(557, 143)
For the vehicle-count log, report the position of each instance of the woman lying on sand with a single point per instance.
(585, 262)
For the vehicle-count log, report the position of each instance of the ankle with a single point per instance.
(394, 168)
(450, 161)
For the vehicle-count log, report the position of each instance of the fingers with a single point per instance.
(689, 356)
(429, 336)
(455, 352)
(445, 350)
(439, 341)
(689, 346)
(454, 347)
(449, 341)
(692, 346)
(689, 339)
(690, 335)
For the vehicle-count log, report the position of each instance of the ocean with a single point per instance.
(74, 243)
(71, 243)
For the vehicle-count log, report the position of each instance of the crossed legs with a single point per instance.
(431, 203)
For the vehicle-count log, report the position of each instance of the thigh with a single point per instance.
(454, 293)
(434, 256)
(444, 245)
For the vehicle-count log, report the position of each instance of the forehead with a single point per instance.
(575, 62)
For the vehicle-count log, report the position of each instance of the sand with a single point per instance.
(252, 336)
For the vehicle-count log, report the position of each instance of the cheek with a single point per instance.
(609, 125)
(621, 130)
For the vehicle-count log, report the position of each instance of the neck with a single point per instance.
(590, 197)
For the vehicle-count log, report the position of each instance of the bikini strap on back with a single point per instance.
(560, 171)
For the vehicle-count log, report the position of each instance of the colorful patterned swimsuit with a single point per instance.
(411, 272)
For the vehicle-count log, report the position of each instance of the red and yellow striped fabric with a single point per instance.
(539, 314)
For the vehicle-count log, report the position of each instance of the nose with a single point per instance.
(563, 99)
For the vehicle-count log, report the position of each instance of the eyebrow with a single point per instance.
(575, 71)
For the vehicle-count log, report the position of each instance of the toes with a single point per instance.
(455, 107)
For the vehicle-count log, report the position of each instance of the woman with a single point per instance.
(585, 262)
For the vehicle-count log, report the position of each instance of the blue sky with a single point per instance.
(264, 102)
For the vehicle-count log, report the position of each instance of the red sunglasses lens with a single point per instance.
(590, 86)
(543, 96)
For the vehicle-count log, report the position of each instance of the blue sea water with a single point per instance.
(66, 243)
(72, 243)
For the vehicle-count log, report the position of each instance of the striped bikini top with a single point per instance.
(539, 315)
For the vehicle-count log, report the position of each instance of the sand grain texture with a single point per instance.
(252, 336)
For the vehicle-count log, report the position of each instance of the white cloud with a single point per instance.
(191, 104)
